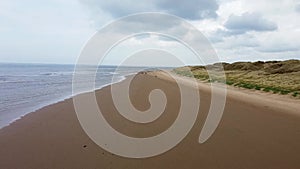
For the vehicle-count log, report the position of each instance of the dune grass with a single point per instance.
(262, 79)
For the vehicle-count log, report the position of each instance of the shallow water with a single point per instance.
(28, 87)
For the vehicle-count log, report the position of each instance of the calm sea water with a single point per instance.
(27, 87)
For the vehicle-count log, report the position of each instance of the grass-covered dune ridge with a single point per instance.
(281, 77)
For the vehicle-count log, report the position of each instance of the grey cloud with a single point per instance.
(156, 23)
(248, 22)
(224, 41)
(297, 8)
(278, 46)
(117, 8)
(192, 9)
(169, 26)
(146, 22)
(277, 49)
(240, 25)
(220, 34)
(217, 36)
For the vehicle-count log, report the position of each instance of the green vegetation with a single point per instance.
(281, 77)
(295, 94)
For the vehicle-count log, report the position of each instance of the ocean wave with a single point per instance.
(56, 73)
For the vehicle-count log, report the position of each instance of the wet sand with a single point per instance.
(256, 131)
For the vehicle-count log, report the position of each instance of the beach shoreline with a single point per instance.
(52, 137)
(58, 100)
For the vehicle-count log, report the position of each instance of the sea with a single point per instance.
(25, 88)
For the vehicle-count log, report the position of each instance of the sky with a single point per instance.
(56, 31)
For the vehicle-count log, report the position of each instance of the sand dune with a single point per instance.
(281, 77)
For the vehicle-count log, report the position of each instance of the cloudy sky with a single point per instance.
(55, 31)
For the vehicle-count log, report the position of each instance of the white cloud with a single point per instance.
(48, 31)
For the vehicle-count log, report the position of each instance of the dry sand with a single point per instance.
(256, 131)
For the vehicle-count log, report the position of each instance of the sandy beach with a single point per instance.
(257, 131)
